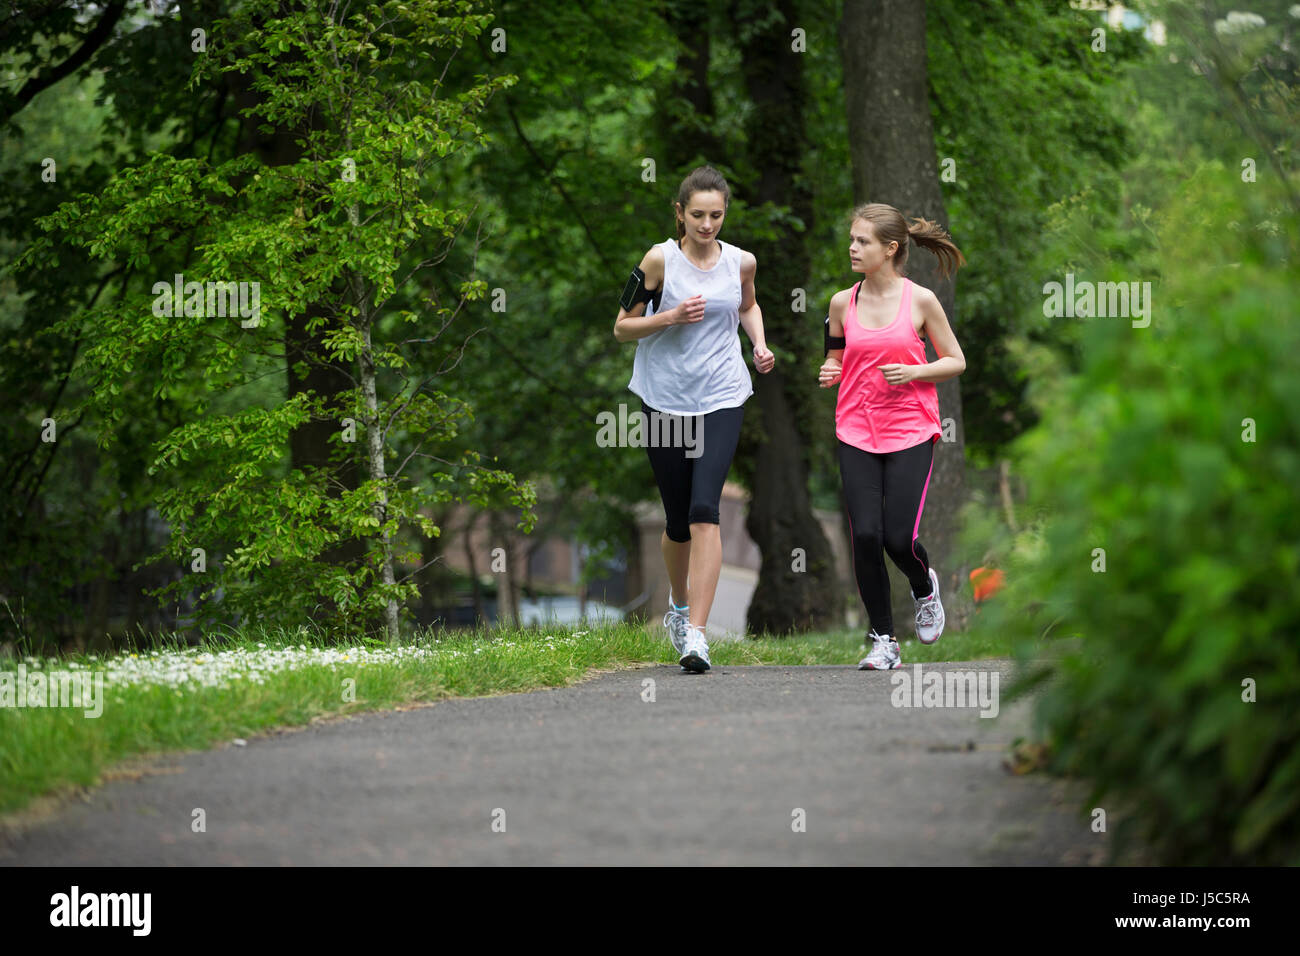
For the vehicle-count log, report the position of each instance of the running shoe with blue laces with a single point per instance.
(676, 621)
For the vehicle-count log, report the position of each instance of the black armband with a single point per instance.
(831, 341)
(635, 291)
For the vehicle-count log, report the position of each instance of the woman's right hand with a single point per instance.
(830, 373)
(689, 310)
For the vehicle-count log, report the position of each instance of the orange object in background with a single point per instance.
(986, 581)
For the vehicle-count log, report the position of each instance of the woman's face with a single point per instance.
(703, 215)
(866, 254)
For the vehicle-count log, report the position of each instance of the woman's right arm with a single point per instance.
(832, 369)
(635, 324)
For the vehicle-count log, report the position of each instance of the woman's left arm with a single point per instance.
(951, 362)
(751, 316)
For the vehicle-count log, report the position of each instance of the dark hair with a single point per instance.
(699, 180)
(892, 227)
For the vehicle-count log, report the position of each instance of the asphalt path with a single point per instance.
(742, 765)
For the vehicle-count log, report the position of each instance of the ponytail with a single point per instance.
(932, 236)
(890, 226)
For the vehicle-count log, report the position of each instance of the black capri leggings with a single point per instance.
(691, 488)
(885, 493)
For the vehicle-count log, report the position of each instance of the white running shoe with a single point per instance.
(884, 655)
(676, 623)
(929, 613)
(695, 658)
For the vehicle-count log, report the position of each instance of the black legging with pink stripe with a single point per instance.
(885, 493)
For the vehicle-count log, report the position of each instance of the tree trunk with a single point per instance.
(480, 612)
(773, 455)
(891, 141)
(378, 467)
(378, 471)
(309, 443)
(689, 84)
(508, 587)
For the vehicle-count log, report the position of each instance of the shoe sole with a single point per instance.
(931, 640)
(892, 667)
(694, 663)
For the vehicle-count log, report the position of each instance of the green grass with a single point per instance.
(48, 750)
(845, 648)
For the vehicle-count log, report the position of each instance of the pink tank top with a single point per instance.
(870, 413)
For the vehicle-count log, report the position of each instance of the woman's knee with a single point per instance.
(705, 514)
(899, 546)
(868, 537)
(678, 530)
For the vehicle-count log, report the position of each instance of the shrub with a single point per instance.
(1175, 450)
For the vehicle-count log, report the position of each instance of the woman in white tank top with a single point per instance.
(689, 363)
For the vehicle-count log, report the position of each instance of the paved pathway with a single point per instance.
(712, 771)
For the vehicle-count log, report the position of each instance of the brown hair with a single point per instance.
(700, 179)
(890, 227)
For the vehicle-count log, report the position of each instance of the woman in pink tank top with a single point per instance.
(887, 413)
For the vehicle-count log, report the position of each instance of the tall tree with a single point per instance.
(887, 99)
(797, 582)
(353, 225)
(310, 371)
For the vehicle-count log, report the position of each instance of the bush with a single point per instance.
(1147, 454)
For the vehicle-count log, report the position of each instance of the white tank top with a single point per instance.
(695, 368)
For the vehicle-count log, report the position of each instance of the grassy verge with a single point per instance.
(179, 698)
(845, 648)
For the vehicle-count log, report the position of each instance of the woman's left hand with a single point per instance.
(898, 374)
(764, 360)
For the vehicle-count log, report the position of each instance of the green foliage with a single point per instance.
(341, 248)
(1174, 450)
(1248, 67)
(170, 418)
(1028, 114)
(568, 215)
(66, 511)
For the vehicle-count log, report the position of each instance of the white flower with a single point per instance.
(1238, 22)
